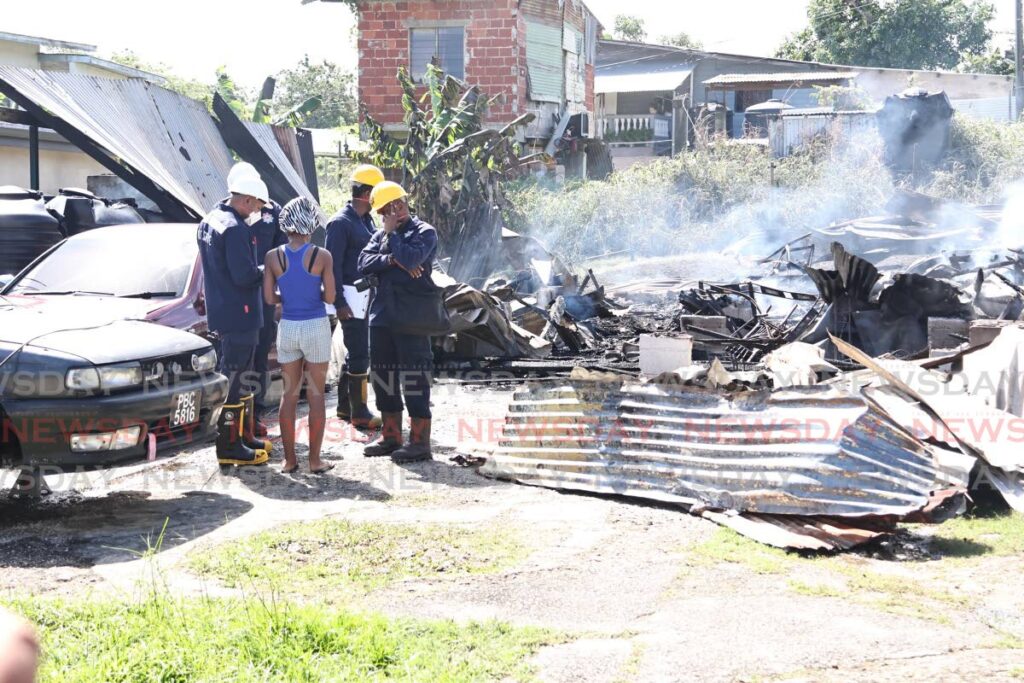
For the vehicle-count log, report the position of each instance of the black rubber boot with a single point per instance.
(344, 408)
(231, 449)
(418, 447)
(251, 427)
(390, 437)
(359, 413)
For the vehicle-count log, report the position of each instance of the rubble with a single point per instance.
(815, 406)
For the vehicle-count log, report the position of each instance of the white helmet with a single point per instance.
(240, 169)
(249, 184)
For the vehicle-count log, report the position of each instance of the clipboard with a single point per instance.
(359, 302)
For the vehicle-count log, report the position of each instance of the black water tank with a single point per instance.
(81, 210)
(26, 228)
(915, 126)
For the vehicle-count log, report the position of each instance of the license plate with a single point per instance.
(185, 409)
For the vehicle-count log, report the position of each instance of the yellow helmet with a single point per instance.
(367, 174)
(384, 193)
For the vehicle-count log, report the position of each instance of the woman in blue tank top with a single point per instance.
(300, 276)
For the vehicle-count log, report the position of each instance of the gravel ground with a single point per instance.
(628, 580)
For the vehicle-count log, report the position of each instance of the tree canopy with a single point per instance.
(682, 40)
(326, 80)
(909, 34)
(629, 28)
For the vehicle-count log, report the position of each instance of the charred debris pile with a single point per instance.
(864, 375)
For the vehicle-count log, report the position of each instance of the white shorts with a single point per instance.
(304, 339)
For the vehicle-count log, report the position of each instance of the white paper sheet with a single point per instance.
(357, 301)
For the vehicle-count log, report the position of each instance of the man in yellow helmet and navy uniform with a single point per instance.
(399, 254)
(347, 233)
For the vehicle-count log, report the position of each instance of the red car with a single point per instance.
(142, 272)
(82, 307)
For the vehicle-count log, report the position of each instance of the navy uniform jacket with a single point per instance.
(413, 244)
(268, 231)
(232, 280)
(348, 233)
(268, 236)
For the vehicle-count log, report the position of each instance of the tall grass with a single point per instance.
(707, 199)
(161, 638)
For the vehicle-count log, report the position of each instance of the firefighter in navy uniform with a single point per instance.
(269, 236)
(348, 233)
(399, 254)
(234, 309)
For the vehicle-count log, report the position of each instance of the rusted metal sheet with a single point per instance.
(162, 143)
(802, 451)
(804, 533)
(542, 10)
(287, 141)
(257, 144)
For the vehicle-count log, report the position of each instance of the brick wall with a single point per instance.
(495, 55)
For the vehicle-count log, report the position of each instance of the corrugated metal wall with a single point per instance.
(547, 11)
(544, 61)
(575, 66)
(786, 134)
(990, 108)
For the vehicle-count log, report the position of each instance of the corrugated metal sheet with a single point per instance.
(793, 130)
(264, 135)
(803, 533)
(168, 138)
(666, 81)
(549, 11)
(257, 144)
(545, 61)
(990, 108)
(781, 77)
(647, 75)
(801, 451)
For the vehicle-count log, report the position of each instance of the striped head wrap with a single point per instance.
(301, 216)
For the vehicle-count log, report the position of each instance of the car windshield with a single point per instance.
(140, 261)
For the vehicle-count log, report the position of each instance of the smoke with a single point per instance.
(1011, 224)
(711, 213)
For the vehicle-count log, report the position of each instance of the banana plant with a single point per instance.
(452, 165)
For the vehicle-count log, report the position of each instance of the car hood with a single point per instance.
(99, 329)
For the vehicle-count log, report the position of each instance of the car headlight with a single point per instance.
(83, 379)
(105, 377)
(204, 362)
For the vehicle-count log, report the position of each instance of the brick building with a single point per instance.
(539, 55)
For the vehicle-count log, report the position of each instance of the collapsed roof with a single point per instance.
(165, 145)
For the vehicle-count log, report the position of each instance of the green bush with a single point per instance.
(984, 160)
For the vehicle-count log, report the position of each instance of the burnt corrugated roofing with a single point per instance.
(801, 451)
(166, 137)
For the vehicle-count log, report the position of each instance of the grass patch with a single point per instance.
(164, 639)
(972, 535)
(1017, 673)
(631, 668)
(331, 556)
(815, 590)
(1009, 642)
(725, 545)
(905, 596)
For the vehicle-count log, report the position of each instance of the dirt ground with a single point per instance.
(647, 592)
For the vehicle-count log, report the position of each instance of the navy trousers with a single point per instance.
(401, 364)
(237, 353)
(357, 346)
(261, 363)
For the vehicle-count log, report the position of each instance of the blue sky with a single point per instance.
(255, 38)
